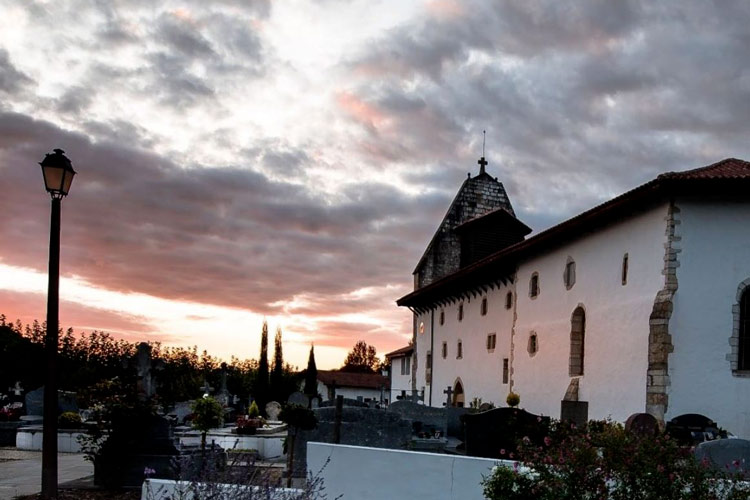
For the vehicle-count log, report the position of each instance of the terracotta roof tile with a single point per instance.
(349, 379)
(730, 168)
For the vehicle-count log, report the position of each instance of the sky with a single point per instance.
(289, 160)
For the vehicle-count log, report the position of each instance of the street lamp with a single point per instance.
(58, 175)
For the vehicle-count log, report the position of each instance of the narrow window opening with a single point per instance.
(460, 311)
(577, 342)
(484, 306)
(505, 370)
(509, 300)
(459, 350)
(533, 345)
(569, 276)
(534, 285)
(445, 350)
(442, 318)
(743, 361)
(625, 269)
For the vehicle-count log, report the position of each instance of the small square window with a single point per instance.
(483, 309)
(491, 342)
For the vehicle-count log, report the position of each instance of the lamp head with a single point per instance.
(58, 173)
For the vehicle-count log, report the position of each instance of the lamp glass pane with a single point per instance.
(67, 181)
(53, 178)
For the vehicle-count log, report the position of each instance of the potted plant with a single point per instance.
(248, 424)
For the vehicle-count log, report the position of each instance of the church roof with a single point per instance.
(729, 177)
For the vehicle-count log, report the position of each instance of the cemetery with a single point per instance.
(218, 441)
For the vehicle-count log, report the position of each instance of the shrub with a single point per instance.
(602, 461)
(69, 420)
(207, 414)
(513, 399)
(253, 411)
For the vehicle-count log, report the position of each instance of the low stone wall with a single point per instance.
(164, 489)
(30, 438)
(379, 474)
(269, 447)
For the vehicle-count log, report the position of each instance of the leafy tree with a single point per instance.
(362, 358)
(277, 373)
(260, 389)
(311, 375)
(207, 414)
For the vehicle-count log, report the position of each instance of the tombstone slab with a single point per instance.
(693, 428)
(298, 398)
(643, 424)
(272, 410)
(726, 455)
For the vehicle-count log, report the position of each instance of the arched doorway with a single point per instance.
(458, 394)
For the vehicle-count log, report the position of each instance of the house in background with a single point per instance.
(364, 386)
(638, 304)
(399, 369)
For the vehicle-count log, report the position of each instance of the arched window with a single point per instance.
(743, 358)
(534, 285)
(577, 341)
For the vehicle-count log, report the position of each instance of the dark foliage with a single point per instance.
(311, 375)
(362, 358)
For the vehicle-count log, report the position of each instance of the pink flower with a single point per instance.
(502, 451)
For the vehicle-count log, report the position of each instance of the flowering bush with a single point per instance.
(602, 461)
(248, 425)
(513, 399)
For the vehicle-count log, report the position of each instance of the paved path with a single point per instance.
(21, 471)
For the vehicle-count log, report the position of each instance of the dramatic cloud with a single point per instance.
(292, 160)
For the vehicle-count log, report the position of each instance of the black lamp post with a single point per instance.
(58, 175)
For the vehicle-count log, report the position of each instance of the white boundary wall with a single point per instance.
(364, 473)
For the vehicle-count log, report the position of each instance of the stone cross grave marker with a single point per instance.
(206, 388)
(16, 389)
(449, 399)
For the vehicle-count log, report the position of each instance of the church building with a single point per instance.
(638, 304)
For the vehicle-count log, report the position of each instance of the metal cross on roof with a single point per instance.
(482, 163)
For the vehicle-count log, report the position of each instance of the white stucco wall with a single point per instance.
(617, 326)
(714, 260)
(399, 382)
(362, 473)
(617, 318)
(351, 392)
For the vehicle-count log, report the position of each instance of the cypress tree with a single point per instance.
(277, 374)
(261, 381)
(311, 375)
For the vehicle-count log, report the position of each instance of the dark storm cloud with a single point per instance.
(223, 235)
(580, 101)
(12, 81)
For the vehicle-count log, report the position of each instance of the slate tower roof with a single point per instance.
(479, 222)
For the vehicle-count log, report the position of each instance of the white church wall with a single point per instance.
(422, 324)
(714, 260)
(617, 326)
(479, 370)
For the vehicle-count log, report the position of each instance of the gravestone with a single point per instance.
(427, 416)
(725, 455)
(314, 402)
(493, 432)
(298, 398)
(35, 402)
(223, 395)
(576, 412)
(359, 427)
(142, 359)
(272, 410)
(693, 428)
(643, 424)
